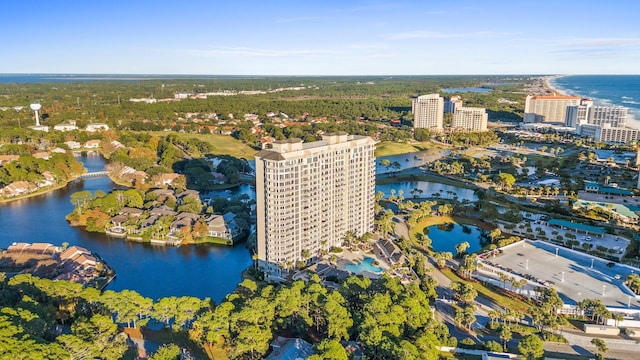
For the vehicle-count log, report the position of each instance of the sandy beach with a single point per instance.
(547, 84)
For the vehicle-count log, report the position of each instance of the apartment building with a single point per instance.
(452, 103)
(587, 113)
(548, 108)
(609, 134)
(470, 118)
(310, 194)
(428, 112)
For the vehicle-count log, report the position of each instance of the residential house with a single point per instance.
(66, 126)
(59, 150)
(73, 144)
(17, 188)
(165, 179)
(73, 251)
(289, 349)
(223, 226)
(92, 144)
(97, 127)
(42, 155)
(5, 159)
(39, 248)
(184, 219)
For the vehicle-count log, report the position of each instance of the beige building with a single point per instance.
(428, 112)
(587, 113)
(547, 108)
(310, 194)
(470, 118)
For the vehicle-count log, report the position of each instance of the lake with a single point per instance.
(445, 237)
(466, 90)
(428, 189)
(153, 271)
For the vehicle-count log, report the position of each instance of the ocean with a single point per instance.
(621, 90)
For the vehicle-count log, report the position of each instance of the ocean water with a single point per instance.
(620, 90)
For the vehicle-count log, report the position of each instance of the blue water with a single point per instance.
(466, 90)
(444, 238)
(621, 90)
(365, 265)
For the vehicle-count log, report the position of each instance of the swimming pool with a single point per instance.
(364, 265)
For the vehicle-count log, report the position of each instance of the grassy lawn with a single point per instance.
(386, 148)
(488, 293)
(222, 144)
(211, 240)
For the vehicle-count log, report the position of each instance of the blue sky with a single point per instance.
(327, 37)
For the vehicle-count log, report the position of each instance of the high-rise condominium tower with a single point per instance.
(310, 194)
(428, 112)
(470, 118)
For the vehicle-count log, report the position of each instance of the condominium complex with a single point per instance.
(428, 112)
(609, 134)
(310, 194)
(470, 118)
(451, 104)
(548, 108)
(587, 113)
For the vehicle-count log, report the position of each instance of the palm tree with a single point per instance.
(601, 347)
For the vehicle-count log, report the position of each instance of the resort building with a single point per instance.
(587, 113)
(428, 112)
(309, 195)
(452, 104)
(538, 108)
(607, 133)
(470, 118)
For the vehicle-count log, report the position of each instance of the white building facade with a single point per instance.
(470, 118)
(428, 112)
(310, 194)
(548, 108)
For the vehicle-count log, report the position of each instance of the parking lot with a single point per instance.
(574, 275)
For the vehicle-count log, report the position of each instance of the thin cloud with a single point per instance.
(425, 34)
(367, 46)
(251, 52)
(601, 42)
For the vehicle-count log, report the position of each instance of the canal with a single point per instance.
(153, 271)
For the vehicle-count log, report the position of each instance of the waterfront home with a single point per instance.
(222, 226)
(96, 127)
(165, 179)
(187, 193)
(183, 220)
(92, 144)
(38, 248)
(49, 179)
(18, 188)
(59, 150)
(72, 144)
(73, 251)
(5, 159)
(42, 155)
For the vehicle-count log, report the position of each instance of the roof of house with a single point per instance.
(290, 349)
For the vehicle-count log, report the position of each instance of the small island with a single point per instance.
(162, 216)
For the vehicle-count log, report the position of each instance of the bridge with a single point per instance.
(94, 174)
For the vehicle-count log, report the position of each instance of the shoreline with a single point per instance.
(547, 84)
(38, 193)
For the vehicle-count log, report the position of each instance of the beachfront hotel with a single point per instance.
(428, 112)
(587, 113)
(309, 195)
(548, 108)
(609, 134)
(470, 118)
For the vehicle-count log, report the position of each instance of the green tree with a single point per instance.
(166, 352)
(329, 349)
(601, 347)
(531, 347)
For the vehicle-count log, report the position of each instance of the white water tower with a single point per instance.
(36, 107)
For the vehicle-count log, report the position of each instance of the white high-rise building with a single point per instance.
(587, 113)
(548, 108)
(310, 194)
(428, 112)
(451, 104)
(470, 118)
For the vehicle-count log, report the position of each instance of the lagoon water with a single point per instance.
(153, 271)
(620, 90)
(445, 237)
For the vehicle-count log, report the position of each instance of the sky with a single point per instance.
(323, 37)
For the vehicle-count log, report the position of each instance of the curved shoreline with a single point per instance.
(38, 193)
(548, 85)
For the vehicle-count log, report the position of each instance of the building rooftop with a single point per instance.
(577, 226)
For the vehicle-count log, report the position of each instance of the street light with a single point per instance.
(526, 266)
(592, 263)
(563, 276)
(603, 287)
(556, 252)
